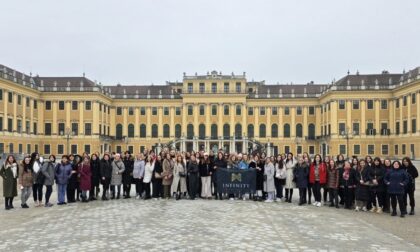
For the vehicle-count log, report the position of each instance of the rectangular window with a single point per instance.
(369, 104)
(385, 149)
(48, 129)
(10, 124)
(154, 111)
(214, 87)
(20, 146)
(356, 104)
(190, 88)
(60, 149)
(119, 111)
(403, 149)
(28, 148)
(413, 125)
(404, 100)
(250, 111)
(130, 111)
(213, 109)
(397, 128)
(238, 87)
(286, 111)
(61, 128)
(35, 104)
(118, 149)
(166, 111)
(61, 105)
(405, 127)
(47, 149)
(226, 87)
(356, 130)
(356, 149)
(74, 105)
(384, 129)
(28, 127)
(202, 88)
(238, 110)
(274, 111)
(286, 149)
(299, 149)
(2, 148)
(19, 99)
(88, 105)
(226, 110)
(47, 105)
(262, 110)
(131, 148)
(341, 128)
(311, 110)
(1, 123)
(384, 104)
(343, 149)
(75, 128)
(396, 149)
(341, 104)
(87, 148)
(19, 126)
(299, 110)
(311, 150)
(142, 111)
(10, 97)
(28, 103)
(397, 103)
(74, 149)
(413, 98)
(371, 149)
(1, 94)
(190, 109)
(177, 111)
(202, 110)
(88, 129)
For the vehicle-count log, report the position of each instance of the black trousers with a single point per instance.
(113, 190)
(316, 188)
(71, 191)
(48, 193)
(309, 192)
(146, 187)
(8, 202)
(348, 196)
(279, 188)
(94, 188)
(289, 194)
(302, 195)
(400, 199)
(37, 192)
(374, 194)
(325, 192)
(105, 186)
(139, 186)
(193, 182)
(386, 201)
(409, 194)
(333, 196)
(126, 189)
(157, 188)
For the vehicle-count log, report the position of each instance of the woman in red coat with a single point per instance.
(317, 178)
(85, 176)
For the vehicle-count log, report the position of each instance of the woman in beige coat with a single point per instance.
(167, 175)
(179, 184)
(290, 164)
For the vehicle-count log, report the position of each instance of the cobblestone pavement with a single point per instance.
(207, 225)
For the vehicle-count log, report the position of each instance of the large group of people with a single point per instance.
(368, 184)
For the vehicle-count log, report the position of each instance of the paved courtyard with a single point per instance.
(208, 225)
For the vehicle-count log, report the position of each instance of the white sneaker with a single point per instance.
(319, 204)
(315, 203)
(364, 209)
(231, 199)
(138, 197)
(244, 198)
(268, 201)
(357, 209)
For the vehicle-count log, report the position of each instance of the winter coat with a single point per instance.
(412, 175)
(322, 173)
(95, 168)
(396, 180)
(117, 171)
(260, 176)
(269, 175)
(217, 164)
(290, 166)
(148, 172)
(168, 167)
(363, 190)
(127, 176)
(105, 168)
(48, 170)
(85, 175)
(178, 180)
(36, 168)
(25, 178)
(9, 179)
(192, 169)
(350, 182)
(301, 175)
(138, 170)
(157, 171)
(333, 178)
(378, 173)
(63, 173)
(205, 169)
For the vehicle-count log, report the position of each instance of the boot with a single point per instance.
(178, 196)
(113, 195)
(412, 211)
(6, 204)
(379, 210)
(118, 195)
(394, 213)
(373, 209)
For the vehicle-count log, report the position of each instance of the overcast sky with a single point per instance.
(143, 42)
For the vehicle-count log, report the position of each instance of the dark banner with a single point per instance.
(236, 181)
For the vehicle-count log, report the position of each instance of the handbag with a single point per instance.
(182, 174)
(40, 178)
(157, 175)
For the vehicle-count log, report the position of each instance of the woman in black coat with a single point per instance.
(157, 179)
(259, 186)
(95, 178)
(106, 174)
(219, 162)
(73, 183)
(193, 177)
(301, 173)
(411, 185)
(362, 188)
(127, 176)
(377, 173)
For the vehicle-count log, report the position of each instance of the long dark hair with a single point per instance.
(27, 167)
(406, 159)
(320, 159)
(7, 159)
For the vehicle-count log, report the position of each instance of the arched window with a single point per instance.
(311, 131)
(262, 130)
(130, 130)
(299, 131)
(166, 130)
(119, 131)
(226, 131)
(286, 130)
(142, 130)
(190, 131)
(201, 131)
(214, 131)
(238, 130)
(178, 130)
(155, 131)
(250, 130)
(274, 130)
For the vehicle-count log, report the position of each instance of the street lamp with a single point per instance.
(346, 134)
(67, 134)
(125, 140)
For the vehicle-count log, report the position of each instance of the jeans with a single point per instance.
(316, 188)
(113, 190)
(25, 194)
(61, 192)
(48, 193)
(37, 192)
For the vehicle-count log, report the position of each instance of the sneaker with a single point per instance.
(319, 204)
(364, 209)
(48, 204)
(379, 210)
(357, 209)
(231, 199)
(268, 201)
(373, 210)
(315, 203)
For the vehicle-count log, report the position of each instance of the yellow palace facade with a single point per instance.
(373, 114)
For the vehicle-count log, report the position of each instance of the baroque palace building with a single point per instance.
(373, 114)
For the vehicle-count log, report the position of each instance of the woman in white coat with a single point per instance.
(290, 164)
(269, 179)
(148, 172)
(179, 184)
